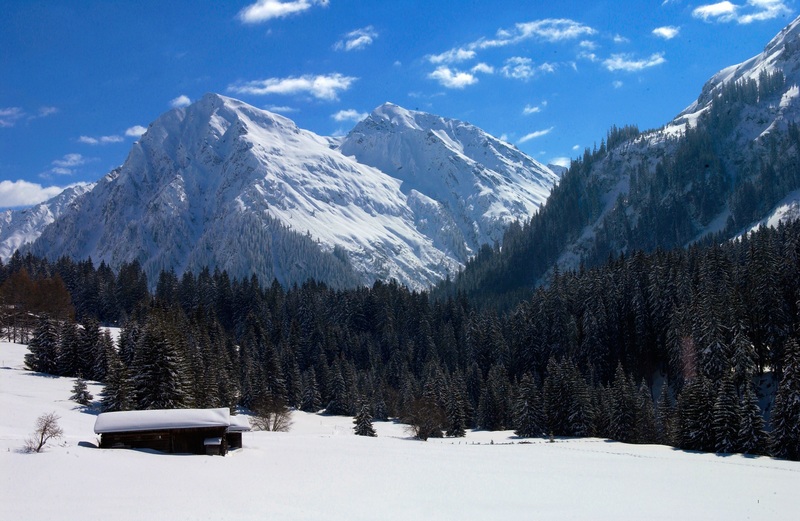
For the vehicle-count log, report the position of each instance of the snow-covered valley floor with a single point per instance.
(321, 471)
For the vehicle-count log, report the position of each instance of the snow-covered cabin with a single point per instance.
(195, 431)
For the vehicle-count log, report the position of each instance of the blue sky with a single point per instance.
(81, 79)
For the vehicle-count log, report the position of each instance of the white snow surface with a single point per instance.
(156, 419)
(193, 186)
(321, 470)
(20, 227)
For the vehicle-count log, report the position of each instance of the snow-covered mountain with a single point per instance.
(476, 183)
(728, 162)
(19, 227)
(226, 185)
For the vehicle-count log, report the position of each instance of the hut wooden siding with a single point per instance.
(168, 430)
(177, 441)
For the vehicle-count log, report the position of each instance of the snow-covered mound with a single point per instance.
(20, 227)
(226, 185)
(321, 470)
(480, 183)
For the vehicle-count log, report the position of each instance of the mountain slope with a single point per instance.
(484, 183)
(225, 185)
(722, 165)
(20, 227)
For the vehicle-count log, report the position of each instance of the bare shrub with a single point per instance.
(46, 429)
(271, 414)
(425, 419)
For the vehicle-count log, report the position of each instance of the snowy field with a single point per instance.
(321, 471)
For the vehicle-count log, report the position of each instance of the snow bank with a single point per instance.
(321, 470)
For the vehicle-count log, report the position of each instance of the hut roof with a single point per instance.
(239, 423)
(158, 419)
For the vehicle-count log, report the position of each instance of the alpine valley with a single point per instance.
(221, 184)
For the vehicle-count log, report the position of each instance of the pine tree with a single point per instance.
(160, 374)
(786, 409)
(695, 415)
(43, 348)
(726, 422)
(363, 423)
(528, 414)
(80, 393)
(455, 409)
(645, 430)
(312, 400)
(118, 393)
(753, 439)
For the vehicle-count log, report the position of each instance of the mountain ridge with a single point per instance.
(219, 169)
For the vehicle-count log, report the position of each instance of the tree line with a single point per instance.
(697, 347)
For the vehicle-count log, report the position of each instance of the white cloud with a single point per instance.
(281, 109)
(576, 147)
(618, 38)
(135, 131)
(617, 84)
(179, 102)
(357, 40)
(452, 56)
(749, 12)
(561, 161)
(668, 32)
(44, 112)
(521, 68)
(265, 10)
(349, 115)
(326, 87)
(70, 161)
(102, 140)
(451, 78)
(24, 193)
(10, 115)
(534, 109)
(588, 45)
(624, 62)
(482, 68)
(534, 135)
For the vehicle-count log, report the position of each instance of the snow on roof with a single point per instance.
(156, 419)
(239, 424)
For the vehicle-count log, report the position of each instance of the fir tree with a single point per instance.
(753, 439)
(160, 373)
(80, 393)
(43, 347)
(363, 423)
(726, 422)
(786, 409)
(528, 415)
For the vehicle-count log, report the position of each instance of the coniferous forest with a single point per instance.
(697, 348)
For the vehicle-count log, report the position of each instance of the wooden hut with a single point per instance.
(192, 431)
(239, 424)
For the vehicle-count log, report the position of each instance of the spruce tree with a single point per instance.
(80, 393)
(363, 423)
(528, 414)
(726, 422)
(786, 409)
(753, 439)
(160, 376)
(43, 348)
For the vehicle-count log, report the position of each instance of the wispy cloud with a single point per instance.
(10, 115)
(325, 87)
(66, 165)
(534, 135)
(102, 140)
(534, 109)
(25, 193)
(550, 30)
(521, 68)
(452, 56)
(349, 115)
(625, 62)
(265, 10)
(179, 102)
(452, 78)
(483, 68)
(357, 40)
(281, 109)
(135, 131)
(668, 32)
(749, 12)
